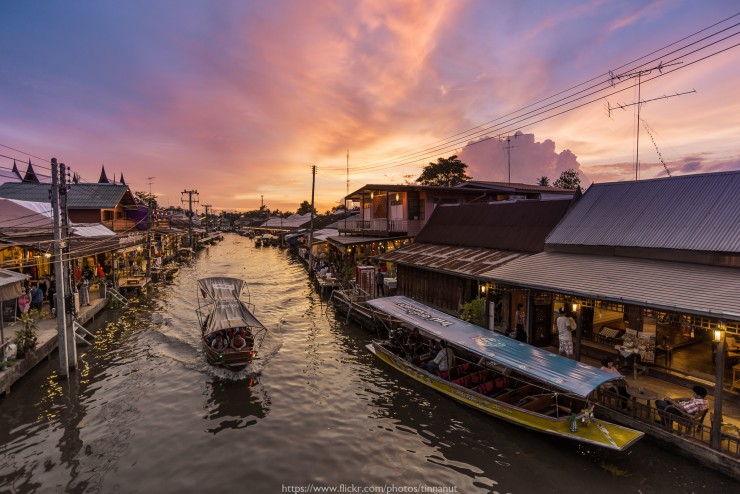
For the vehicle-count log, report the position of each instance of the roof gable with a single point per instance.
(518, 226)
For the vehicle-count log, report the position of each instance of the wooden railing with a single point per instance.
(380, 226)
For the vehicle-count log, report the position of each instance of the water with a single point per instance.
(145, 413)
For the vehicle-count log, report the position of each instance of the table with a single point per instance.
(627, 353)
(643, 394)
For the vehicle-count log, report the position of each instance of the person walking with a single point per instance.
(84, 291)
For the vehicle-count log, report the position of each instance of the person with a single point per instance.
(101, 273)
(84, 291)
(51, 295)
(521, 335)
(44, 285)
(415, 343)
(620, 386)
(565, 326)
(689, 406)
(37, 297)
(219, 344)
(87, 273)
(238, 342)
(24, 303)
(379, 281)
(444, 360)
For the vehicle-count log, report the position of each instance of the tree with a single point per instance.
(569, 179)
(305, 208)
(446, 172)
(544, 181)
(144, 198)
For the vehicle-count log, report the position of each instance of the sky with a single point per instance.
(239, 99)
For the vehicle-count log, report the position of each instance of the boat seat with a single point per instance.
(540, 403)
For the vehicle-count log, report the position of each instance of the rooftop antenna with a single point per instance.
(638, 74)
(508, 153)
(660, 156)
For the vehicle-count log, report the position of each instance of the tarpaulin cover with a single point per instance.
(547, 367)
(231, 313)
(11, 285)
(221, 287)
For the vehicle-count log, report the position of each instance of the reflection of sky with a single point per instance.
(237, 100)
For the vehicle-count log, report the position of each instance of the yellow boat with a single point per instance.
(517, 382)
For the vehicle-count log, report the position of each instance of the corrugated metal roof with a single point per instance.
(80, 196)
(690, 212)
(514, 186)
(465, 261)
(342, 240)
(703, 290)
(518, 226)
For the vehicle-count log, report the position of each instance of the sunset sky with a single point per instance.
(238, 99)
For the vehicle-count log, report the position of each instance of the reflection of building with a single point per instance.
(661, 257)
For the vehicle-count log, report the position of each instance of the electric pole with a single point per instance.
(206, 206)
(310, 234)
(190, 194)
(149, 217)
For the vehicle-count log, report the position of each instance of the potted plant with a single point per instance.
(25, 337)
(474, 312)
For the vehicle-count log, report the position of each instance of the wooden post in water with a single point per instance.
(715, 440)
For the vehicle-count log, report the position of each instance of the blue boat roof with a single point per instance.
(556, 370)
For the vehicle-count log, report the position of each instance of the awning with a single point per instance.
(232, 313)
(547, 367)
(463, 261)
(345, 240)
(221, 287)
(712, 291)
(11, 285)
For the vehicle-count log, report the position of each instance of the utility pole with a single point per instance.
(206, 206)
(508, 154)
(149, 217)
(71, 310)
(63, 301)
(346, 213)
(310, 234)
(190, 194)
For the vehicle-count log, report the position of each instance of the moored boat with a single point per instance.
(508, 379)
(223, 314)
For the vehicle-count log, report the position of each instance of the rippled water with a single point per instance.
(145, 413)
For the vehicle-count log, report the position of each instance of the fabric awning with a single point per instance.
(11, 285)
(560, 372)
(712, 291)
(221, 287)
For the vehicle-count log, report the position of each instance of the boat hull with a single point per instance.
(597, 433)
(230, 359)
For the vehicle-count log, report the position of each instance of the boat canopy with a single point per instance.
(547, 367)
(221, 287)
(233, 313)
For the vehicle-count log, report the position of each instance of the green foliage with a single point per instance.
(474, 312)
(114, 304)
(569, 179)
(446, 172)
(305, 208)
(543, 181)
(143, 198)
(25, 337)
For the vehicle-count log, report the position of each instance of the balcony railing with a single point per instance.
(380, 226)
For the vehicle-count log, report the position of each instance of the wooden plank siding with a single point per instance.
(439, 290)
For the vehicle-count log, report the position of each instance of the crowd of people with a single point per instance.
(229, 339)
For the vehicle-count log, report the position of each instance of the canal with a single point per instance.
(145, 413)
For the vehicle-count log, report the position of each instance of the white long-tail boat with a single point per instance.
(222, 312)
(503, 377)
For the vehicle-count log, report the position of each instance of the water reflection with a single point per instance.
(235, 404)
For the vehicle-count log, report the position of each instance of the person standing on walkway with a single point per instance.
(565, 326)
(521, 335)
(84, 291)
(37, 298)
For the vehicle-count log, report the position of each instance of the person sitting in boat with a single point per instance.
(238, 342)
(415, 343)
(444, 360)
(219, 343)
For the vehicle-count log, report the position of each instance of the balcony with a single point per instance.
(380, 226)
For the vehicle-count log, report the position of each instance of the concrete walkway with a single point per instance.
(47, 340)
